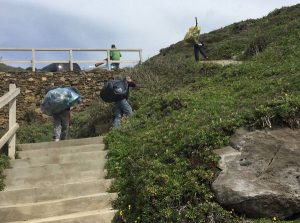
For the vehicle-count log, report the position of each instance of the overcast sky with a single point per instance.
(147, 24)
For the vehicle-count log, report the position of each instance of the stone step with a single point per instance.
(30, 211)
(54, 179)
(60, 144)
(62, 150)
(55, 192)
(101, 216)
(52, 169)
(56, 158)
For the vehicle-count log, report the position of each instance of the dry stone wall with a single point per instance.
(33, 85)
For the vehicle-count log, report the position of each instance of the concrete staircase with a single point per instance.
(58, 182)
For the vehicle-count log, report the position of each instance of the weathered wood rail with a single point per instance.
(33, 61)
(10, 136)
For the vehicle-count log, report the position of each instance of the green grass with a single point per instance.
(162, 157)
(275, 220)
(4, 163)
(35, 132)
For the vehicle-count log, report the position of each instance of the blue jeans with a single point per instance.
(122, 107)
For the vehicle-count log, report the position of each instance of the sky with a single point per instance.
(143, 24)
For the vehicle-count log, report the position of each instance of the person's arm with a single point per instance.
(131, 84)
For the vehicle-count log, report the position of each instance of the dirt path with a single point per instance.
(222, 62)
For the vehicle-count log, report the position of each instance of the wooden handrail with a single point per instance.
(10, 136)
(5, 99)
(71, 60)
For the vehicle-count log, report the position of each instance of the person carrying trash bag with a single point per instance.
(57, 103)
(192, 37)
(117, 91)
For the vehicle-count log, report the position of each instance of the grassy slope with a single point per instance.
(162, 158)
(4, 67)
(237, 40)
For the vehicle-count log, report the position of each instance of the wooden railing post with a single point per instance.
(12, 122)
(140, 55)
(33, 60)
(71, 59)
(108, 59)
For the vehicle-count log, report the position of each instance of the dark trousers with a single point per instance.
(199, 48)
(115, 66)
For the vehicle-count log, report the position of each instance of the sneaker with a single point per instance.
(56, 140)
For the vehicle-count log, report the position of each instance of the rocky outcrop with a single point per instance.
(33, 85)
(261, 173)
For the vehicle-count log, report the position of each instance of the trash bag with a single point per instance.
(58, 100)
(114, 91)
(192, 36)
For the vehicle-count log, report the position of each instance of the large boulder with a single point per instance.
(261, 173)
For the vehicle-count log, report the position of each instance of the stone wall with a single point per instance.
(33, 85)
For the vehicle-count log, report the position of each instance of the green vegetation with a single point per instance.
(244, 39)
(35, 132)
(4, 163)
(275, 220)
(162, 157)
(83, 123)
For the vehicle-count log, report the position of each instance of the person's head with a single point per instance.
(128, 79)
(113, 46)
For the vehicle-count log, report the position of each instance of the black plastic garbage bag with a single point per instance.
(114, 90)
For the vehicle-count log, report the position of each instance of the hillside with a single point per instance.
(162, 157)
(4, 67)
(243, 39)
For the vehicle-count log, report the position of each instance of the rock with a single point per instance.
(261, 173)
(44, 78)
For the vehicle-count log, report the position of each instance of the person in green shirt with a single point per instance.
(115, 55)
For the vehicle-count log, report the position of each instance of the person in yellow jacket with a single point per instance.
(192, 37)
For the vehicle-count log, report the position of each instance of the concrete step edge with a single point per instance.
(58, 200)
(56, 159)
(83, 176)
(29, 211)
(56, 168)
(61, 191)
(53, 165)
(81, 141)
(71, 216)
(64, 149)
(72, 183)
